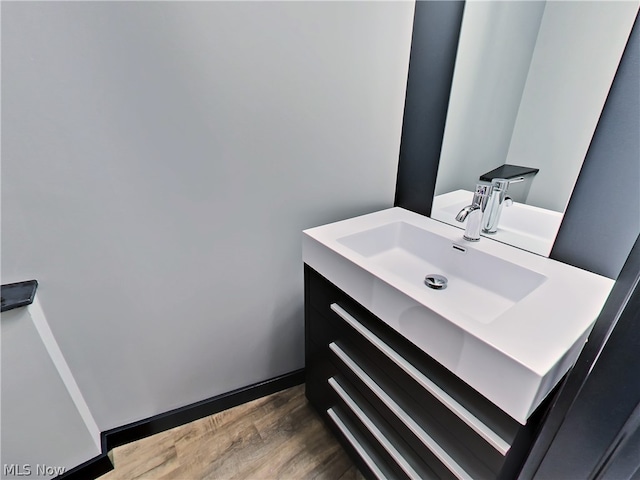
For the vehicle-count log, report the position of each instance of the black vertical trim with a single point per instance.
(436, 28)
(563, 440)
(602, 219)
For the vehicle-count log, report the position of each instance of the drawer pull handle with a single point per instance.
(375, 431)
(403, 416)
(452, 404)
(356, 445)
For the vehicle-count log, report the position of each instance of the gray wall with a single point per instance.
(567, 85)
(159, 161)
(602, 222)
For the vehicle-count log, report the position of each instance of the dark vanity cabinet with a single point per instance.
(396, 411)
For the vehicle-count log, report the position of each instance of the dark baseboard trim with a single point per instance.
(92, 468)
(115, 437)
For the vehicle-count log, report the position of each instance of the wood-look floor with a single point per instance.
(275, 437)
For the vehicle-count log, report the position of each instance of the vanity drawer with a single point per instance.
(377, 432)
(441, 452)
(424, 425)
(355, 435)
(318, 369)
(322, 329)
(370, 457)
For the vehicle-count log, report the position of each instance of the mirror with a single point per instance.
(530, 81)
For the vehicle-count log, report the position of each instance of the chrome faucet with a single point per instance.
(497, 200)
(474, 213)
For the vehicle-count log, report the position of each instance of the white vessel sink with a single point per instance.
(531, 228)
(509, 323)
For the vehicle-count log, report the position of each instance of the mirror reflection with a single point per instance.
(529, 85)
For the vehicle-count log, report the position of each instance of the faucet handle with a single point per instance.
(503, 183)
(481, 195)
(483, 189)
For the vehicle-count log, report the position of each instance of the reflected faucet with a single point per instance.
(474, 213)
(497, 200)
(486, 207)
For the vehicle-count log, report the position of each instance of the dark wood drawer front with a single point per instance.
(422, 422)
(372, 460)
(321, 369)
(378, 430)
(321, 327)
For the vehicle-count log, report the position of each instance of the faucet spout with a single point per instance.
(464, 213)
(473, 215)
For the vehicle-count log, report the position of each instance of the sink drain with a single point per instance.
(437, 282)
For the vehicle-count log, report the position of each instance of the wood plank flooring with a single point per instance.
(275, 437)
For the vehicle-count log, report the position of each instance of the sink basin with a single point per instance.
(509, 323)
(480, 286)
(528, 227)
